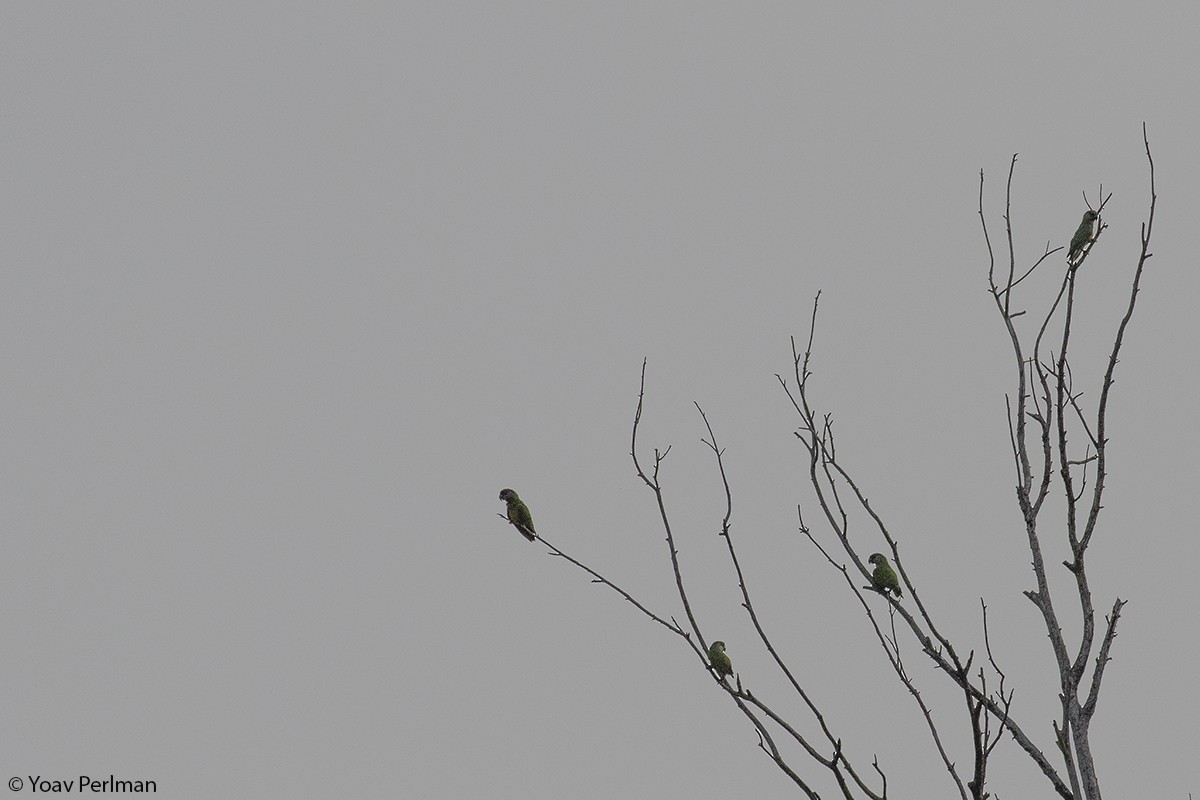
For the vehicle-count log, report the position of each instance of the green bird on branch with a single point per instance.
(1083, 235)
(518, 514)
(883, 579)
(720, 661)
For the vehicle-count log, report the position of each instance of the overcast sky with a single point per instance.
(292, 291)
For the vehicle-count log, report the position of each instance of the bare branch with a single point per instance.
(656, 487)
(1102, 409)
(672, 626)
(1110, 633)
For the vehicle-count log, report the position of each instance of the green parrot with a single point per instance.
(883, 579)
(518, 514)
(1083, 235)
(720, 661)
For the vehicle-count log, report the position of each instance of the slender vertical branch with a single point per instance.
(656, 487)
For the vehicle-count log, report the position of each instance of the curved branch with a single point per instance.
(656, 487)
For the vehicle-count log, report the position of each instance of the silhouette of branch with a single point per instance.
(653, 484)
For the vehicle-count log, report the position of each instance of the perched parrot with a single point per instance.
(884, 577)
(518, 514)
(720, 661)
(1083, 235)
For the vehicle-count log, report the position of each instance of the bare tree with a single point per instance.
(1045, 413)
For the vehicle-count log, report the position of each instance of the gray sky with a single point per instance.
(293, 291)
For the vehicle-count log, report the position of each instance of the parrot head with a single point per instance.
(876, 558)
(507, 494)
